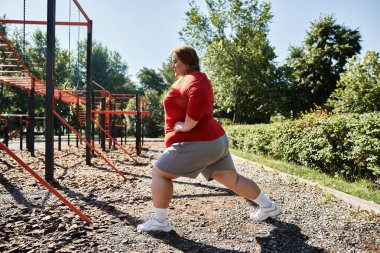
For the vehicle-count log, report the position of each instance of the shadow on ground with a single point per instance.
(285, 237)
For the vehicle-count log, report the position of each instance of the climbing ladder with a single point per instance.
(14, 72)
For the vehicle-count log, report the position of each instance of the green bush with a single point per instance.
(347, 144)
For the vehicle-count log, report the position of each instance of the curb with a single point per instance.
(352, 200)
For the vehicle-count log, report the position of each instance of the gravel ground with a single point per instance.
(205, 216)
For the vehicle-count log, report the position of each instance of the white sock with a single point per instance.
(160, 214)
(263, 201)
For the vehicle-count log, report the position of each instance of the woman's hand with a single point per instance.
(178, 127)
(185, 126)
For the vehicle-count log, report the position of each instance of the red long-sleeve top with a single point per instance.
(194, 97)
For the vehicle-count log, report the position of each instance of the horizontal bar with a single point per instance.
(36, 22)
(13, 115)
(118, 112)
(8, 66)
(12, 71)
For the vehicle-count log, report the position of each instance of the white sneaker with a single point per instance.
(263, 213)
(154, 225)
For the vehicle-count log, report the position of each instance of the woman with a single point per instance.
(196, 143)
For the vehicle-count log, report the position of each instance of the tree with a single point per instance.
(315, 67)
(108, 68)
(359, 88)
(236, 54)
(150, 79)
(154, 122)
(3, 27)
(167, 73)
(36, 60)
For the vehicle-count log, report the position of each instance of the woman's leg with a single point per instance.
(162, 193)
(248, 189)
(162, 188)
(239, 184)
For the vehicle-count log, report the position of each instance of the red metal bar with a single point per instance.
(75, 91)
(36, 22)
(118, 112)
(44, 183)
(113, 139)
(88, 144)
(101, 87)
(124, 95)
(81, 10)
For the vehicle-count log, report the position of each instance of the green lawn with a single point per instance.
(363, 189)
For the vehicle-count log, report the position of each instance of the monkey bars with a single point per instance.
(23, 79)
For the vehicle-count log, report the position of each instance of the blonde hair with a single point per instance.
(188, 56)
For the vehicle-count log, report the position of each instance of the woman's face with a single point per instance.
(178, 66)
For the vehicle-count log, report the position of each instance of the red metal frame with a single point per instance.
(113, 139)
(88, 144)
(34, 22)
(26, 82)
(44, 183)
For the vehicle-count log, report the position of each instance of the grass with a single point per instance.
(363, 189)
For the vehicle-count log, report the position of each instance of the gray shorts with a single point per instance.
(189, 159)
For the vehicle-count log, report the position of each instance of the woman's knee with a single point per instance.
(226, 177)
(159, 173)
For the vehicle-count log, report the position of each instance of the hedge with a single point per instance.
(345, 144)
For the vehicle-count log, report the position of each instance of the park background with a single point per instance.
(298, 82)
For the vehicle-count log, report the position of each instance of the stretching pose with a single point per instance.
(195, 143)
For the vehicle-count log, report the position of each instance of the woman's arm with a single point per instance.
(185, 126)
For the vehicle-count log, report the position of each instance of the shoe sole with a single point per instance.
(279, 211)
(156, 230)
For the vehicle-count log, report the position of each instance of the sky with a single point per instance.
(145, 31)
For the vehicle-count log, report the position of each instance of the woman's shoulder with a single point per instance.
(195, 77)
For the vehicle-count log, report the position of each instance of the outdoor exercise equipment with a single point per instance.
(14, 72)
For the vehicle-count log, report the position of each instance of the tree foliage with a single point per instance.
(315, 67)
(236, 52)
(108, 68)
(153, 124)
(359, 88)
(150, 79)
(167, 73)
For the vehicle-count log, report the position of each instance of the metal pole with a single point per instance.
(142, 127)
(103, 121)
(88, 93)
(138, 125)
(31, 118)
(114, 126)
(125, 130)
(92, 116)
(68, 133)
(6, 136)
(59, 137)
(110, 126)
(49, 101)
(21, 133)
(78, 123)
